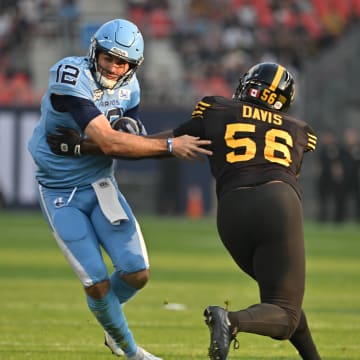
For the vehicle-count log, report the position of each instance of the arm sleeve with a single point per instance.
(82, 110)
(192, 127)
(311, 139)
(195, 126)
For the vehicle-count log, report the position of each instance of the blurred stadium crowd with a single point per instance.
(338, 177)
(20, 22)
(195, 48)
(214, 40)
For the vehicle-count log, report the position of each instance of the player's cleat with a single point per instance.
(220, 332)
(112, 345)
(142, 354)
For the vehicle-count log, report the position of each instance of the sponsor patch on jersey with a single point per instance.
(254, 92)
(98, 93)
(124, 94)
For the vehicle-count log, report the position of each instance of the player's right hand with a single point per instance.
(190, 147)
(67, 142)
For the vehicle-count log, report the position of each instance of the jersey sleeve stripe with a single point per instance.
(312, 140)
(200, 107)
(202, 103)
(197, 113)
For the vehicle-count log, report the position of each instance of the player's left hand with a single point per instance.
(67, 142)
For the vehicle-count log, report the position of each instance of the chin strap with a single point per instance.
(110, 84)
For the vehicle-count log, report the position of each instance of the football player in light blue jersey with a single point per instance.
(78, 194)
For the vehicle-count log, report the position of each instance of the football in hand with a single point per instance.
(126, 124)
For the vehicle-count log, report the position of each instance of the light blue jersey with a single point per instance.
(79, 196)
(72, 76)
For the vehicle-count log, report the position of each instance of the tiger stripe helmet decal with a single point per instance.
(279, 73)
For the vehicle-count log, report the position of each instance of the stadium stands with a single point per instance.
(209, 43)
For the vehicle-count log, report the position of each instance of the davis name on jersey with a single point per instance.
(254, 144)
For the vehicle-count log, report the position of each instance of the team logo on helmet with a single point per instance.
(278, 105)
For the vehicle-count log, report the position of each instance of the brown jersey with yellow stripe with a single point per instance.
(252, 145)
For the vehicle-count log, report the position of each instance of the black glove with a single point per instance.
(68, 142)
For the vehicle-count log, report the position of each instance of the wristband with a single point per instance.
(169, 142)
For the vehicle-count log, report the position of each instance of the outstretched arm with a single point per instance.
(69, 142)
(110, 142)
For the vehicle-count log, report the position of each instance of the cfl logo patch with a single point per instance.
(124, 94)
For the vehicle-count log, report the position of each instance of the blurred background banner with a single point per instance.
(193, 48)
(17, 183)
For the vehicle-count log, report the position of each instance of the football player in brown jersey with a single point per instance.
(257, 155)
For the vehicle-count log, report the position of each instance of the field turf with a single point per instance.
(44, 314)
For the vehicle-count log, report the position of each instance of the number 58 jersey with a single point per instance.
(251, 145)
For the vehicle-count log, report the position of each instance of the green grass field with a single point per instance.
(44, 314)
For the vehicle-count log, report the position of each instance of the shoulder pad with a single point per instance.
(201, 106)
(71, 76)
